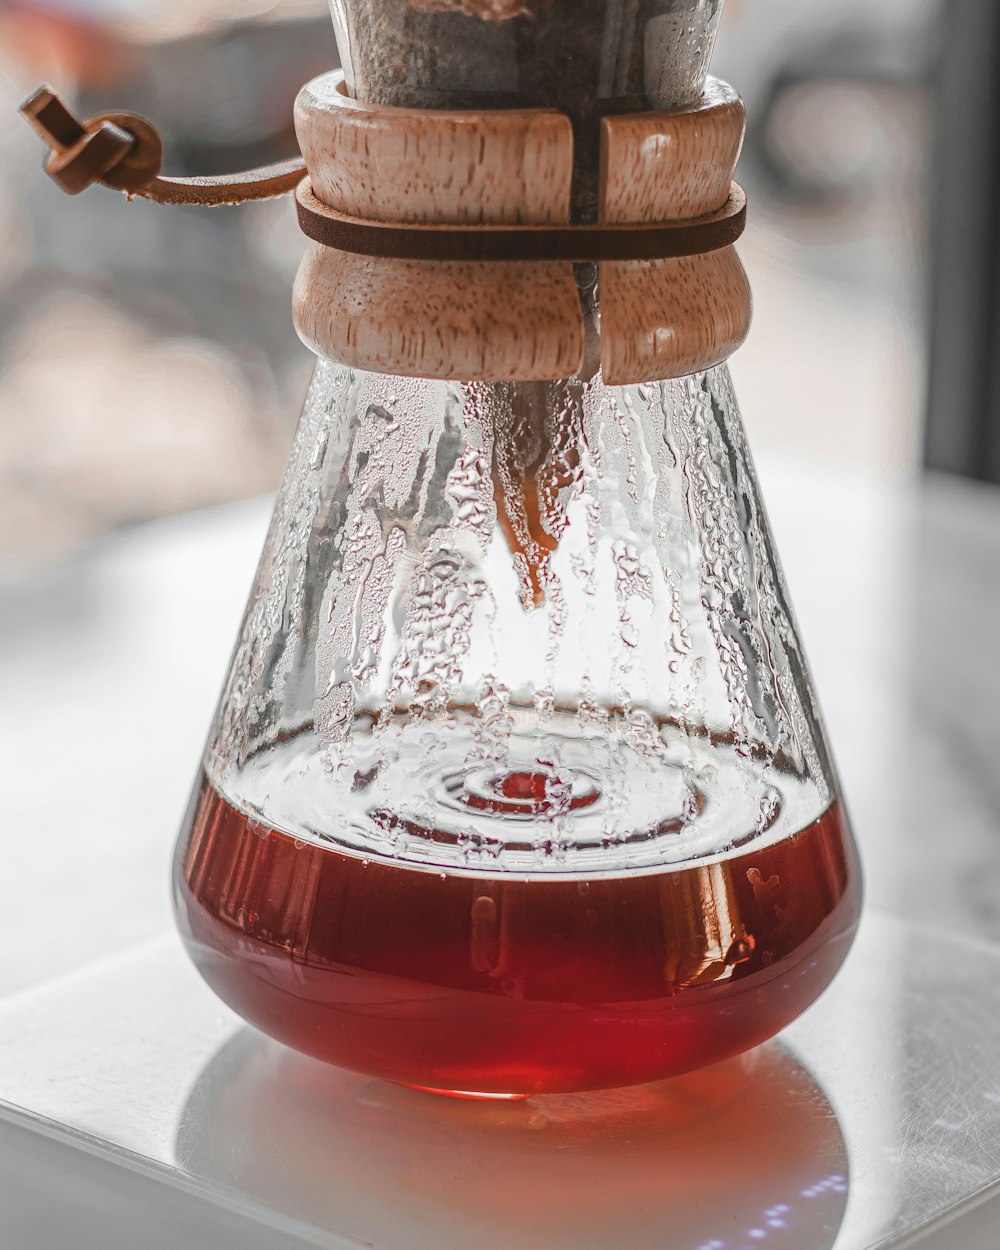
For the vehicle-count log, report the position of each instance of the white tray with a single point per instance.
(136, 1110)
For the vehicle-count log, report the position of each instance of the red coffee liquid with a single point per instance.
(488, 985)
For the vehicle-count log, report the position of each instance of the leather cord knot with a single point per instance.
(125, 151)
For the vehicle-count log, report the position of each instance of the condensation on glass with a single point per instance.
(454, 592)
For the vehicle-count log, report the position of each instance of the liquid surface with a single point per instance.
(514, 794)
(512, 985)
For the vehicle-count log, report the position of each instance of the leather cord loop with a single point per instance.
(521, 243)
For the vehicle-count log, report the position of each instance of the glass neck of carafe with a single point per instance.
(587, 58)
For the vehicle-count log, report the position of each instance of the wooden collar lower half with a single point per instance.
(667, 174)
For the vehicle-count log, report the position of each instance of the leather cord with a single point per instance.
(525, 243)
(124, 151)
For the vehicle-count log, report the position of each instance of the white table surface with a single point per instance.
(873, 1119)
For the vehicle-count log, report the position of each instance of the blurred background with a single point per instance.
(150, 381)
(187, 311)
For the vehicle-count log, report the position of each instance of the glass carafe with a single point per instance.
(517, 782)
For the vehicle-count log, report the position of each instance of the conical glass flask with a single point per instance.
(517, 781)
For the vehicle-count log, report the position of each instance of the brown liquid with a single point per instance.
(475, 984)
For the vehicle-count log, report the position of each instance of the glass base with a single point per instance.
(874, 1121)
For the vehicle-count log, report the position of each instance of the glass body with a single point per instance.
(517, 782)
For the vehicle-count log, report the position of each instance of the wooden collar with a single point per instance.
(124, 151)
(410, 210)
